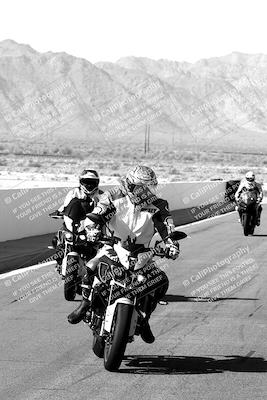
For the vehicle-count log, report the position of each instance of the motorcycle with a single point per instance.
(121, 295)
(248, 209)
(75, 251)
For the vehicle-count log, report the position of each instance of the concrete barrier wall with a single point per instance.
(190, 194)
(24, 212)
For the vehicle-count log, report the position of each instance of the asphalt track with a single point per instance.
(210, 338)
(20, 253)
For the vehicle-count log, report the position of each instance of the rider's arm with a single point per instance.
(164, 224)
(104, 206)
(70, 195)
(260, 196)
(239, 190)
(163, 221)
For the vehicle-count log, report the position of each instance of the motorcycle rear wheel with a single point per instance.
(117, 341)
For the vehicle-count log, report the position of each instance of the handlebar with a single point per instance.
(56, 215)
(152, 250)
(110, 239)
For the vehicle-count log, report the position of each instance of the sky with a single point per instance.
(106, 30)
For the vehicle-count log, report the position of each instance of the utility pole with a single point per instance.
(147, 139)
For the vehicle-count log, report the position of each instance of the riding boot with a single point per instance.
(149, 305)
(78, 315)
(145, 331)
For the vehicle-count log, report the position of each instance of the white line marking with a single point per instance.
(205, 220)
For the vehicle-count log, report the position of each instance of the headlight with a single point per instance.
(68, 235)
(82, 237)
(140, 278)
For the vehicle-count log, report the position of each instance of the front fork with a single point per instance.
(69, 253)
(107, 324)
(108, 318)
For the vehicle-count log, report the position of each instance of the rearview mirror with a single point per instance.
(96, 218)
(177, 235)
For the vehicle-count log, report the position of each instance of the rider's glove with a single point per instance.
(172, 249)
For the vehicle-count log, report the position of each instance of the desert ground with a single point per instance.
(63, 162)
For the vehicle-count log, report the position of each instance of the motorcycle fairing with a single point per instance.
(110, 269)
(248, 201)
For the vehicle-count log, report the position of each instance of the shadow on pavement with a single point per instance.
(191, 365)
(173, 298)
(259, 235)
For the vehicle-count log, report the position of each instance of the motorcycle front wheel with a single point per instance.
(118, 338)
(71, 278)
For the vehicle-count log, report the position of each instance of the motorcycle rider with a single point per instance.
(249, 183)
(78, 202)
(133, 211)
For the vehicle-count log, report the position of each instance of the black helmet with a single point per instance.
(89, 181)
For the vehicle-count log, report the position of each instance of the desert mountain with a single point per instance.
(218, 102)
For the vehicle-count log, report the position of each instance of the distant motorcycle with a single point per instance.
(116, 311)
(71, 242)
(248, 207)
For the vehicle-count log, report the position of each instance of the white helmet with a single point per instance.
(89, 181)
(250, 176)
(141, 176)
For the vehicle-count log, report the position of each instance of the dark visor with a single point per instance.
(89, 183)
